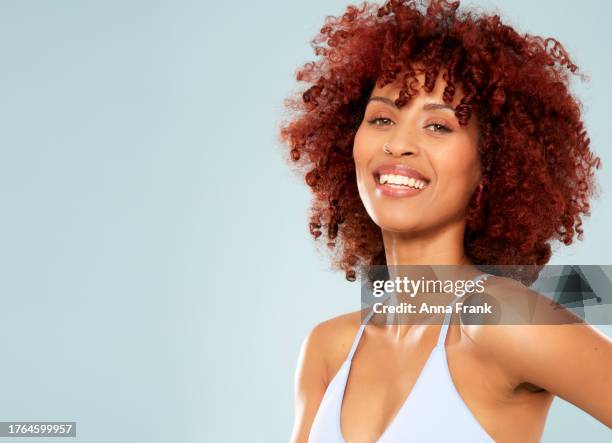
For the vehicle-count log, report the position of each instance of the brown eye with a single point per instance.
(384, 121)
(438, 127)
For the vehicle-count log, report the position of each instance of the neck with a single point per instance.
(440, 246)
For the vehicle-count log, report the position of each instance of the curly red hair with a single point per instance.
(536, 161)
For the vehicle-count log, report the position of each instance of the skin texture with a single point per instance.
(499, 371)
(507, 375)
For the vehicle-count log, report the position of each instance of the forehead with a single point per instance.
(392, 90)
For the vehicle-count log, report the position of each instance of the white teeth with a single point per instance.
(401, 180)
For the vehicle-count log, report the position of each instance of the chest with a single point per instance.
(386, 384)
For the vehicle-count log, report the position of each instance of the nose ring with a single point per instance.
(386, 148)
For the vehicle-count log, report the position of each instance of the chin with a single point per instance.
(398, 223)
(396, 215)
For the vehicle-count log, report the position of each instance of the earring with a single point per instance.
(474, 218)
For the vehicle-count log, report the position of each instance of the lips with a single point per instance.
(399, 180)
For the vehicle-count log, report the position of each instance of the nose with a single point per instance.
(397, 150)
(403, 139)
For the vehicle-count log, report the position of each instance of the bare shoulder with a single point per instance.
(521, 316)
(331, 340)
(323, 350)
(515, 305)
(534, 337)
(508, 299)
(541, 343)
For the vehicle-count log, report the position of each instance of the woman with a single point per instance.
(440, 137)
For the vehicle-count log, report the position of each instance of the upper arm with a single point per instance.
(310, 384)
(571, 360)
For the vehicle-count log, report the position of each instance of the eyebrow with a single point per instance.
(426, 106)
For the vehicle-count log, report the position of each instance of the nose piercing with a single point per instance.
(386, 148)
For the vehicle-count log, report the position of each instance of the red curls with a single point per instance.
(538, 169)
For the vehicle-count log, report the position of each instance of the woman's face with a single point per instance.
(416, 167)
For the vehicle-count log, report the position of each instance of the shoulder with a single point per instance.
(521, 316)
(330, 341)
(322, 352)
(533, 336)
(514, 304)
(543, 344)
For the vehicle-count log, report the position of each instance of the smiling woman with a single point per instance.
(435, 136)
(510, 90)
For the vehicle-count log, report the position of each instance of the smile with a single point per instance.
(398, 180)
(401, 180)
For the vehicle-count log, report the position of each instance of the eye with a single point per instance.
(439, 127)
(380, 121)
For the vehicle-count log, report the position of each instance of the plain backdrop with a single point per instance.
(156, 271)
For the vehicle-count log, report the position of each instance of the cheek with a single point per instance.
(457, 168)
(455, 165)
(364, 149)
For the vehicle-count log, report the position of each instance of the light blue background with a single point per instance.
(157, 276)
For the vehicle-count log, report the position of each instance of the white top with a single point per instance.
(433, 412)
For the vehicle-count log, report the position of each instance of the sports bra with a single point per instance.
(433, 411)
